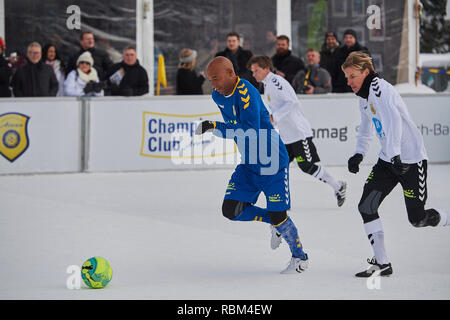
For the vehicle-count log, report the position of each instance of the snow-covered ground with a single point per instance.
(165, 237)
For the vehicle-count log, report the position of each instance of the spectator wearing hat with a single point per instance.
(84, 80)
(34, 79)
(286, 64)
(51, 57)
(102, 62)
(328, 51)
(350, 45)
(5, 72)
(128, 77)
(188, 82)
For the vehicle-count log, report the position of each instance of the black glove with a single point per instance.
(354, 161)
(98, 86)
(205, 126)
(398, 167)
(90, 86)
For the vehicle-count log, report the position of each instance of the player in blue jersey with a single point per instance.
(264, 163)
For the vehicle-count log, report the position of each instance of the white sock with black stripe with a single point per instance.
(324, 176)
(374, 231)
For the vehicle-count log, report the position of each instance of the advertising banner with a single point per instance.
(40, 135)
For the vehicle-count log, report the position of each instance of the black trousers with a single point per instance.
(382, 180)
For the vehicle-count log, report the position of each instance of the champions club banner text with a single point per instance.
(172, 136)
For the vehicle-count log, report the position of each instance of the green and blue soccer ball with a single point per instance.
(96, 272)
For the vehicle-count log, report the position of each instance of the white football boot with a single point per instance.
(296, 265)
(275, 240)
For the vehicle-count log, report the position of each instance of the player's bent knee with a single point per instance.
(368, 206)
(231, 208)
(277, 218)
(307, 167)
(419, 217)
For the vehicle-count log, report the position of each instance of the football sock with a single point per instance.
(322, 174)
(290, 235)
(374, 231)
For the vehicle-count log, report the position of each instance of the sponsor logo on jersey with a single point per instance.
(409, 193)
(275, 198)
(13, 135)
(372, 109)
(378, 128)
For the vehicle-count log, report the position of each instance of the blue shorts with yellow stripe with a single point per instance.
(246, 186)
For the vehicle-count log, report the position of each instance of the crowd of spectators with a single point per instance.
(321, 74)
(90, 71)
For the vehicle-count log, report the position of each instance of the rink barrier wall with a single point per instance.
(108, 134)
(41, 135)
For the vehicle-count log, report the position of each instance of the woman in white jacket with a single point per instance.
(84, 80)
(402, 159)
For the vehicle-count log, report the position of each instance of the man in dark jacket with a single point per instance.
(34, 79)
(313, 80)
(5, 72)
(239, 57)
(286, 64)
(351, 44)
(102, 62)
(128, 78)
(328, 52)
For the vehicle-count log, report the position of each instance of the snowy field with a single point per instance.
(165, 237)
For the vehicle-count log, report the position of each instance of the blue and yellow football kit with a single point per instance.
(264, 159)
(264, 163)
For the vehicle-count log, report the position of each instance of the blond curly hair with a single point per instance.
(359, 61)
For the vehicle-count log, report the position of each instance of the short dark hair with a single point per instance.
(129, 47)
(283, 37)
(262, 61)
(234, 34)
(85, 32)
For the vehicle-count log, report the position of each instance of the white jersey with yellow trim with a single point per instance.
(397, 133)
(286, 109)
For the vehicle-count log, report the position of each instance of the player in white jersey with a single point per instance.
(402, 158)
(294, 128)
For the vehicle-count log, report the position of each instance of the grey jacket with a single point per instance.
(314, 76)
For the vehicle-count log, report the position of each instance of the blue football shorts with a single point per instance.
(246, 186)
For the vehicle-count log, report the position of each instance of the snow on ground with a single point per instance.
(165, 237)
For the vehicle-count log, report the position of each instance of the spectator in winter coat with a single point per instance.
(286, 64)
(188, 82)
(128, 77)
(314, 79)
(102, 62)
(328, 52)
(239, 57)
(351, 44)
(84, 80)
(34, 79)
(5, 72)
(50, 56)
